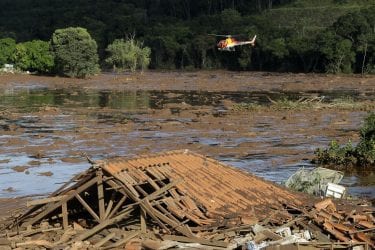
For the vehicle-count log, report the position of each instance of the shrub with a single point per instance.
(366, 147)
(363, 154)
(34, 56)
(128, 54)
(7, 47)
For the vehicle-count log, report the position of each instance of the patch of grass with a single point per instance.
(305, 103)
(300, 104)
(346, 103)
(286, 104)
(247, 107)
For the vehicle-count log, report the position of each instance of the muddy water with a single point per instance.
(44, 132)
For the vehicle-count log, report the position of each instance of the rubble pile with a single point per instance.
(182, 199)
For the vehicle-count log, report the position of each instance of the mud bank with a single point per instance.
(201, 81)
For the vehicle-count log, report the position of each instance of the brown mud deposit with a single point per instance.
(203, 81)
(269, 143)
(11, 207)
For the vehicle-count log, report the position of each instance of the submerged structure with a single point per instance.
(180, 197)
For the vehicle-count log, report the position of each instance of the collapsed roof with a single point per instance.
(180, 195)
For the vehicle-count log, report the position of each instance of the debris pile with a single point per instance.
(181, 199)
(318, 181)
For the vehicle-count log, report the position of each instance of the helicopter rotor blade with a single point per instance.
(221, 35)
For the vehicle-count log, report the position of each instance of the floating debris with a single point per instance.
(319, 181)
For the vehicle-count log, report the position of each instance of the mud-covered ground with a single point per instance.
(202, 81)
(47, 123)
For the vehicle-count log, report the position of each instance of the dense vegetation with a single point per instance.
(363, 154)
(293, 35)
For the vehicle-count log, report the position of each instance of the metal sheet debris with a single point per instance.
(318, 181)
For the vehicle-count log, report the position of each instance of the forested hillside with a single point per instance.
(293, 35)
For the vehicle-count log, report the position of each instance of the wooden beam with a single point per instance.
(54, 206)
(64, 211)
(117, 185)
(45, 200)
(104, 240)
(152, 215)
(118, 205)
(165, 211)
(139, 189)
(195, 240)
(64, 189)
(110, 204)
(29, 232)
(88, 208)
(31, 244)
(87, 233)
(153, 183)
(126, 238)
(99, 175)
(173, 223)
(143, 221)
(155, 194)
(144, 204)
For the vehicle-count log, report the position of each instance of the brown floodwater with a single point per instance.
(45, 128)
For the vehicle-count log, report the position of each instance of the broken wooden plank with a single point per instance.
(332, 230)
(54, 206)
(26, 233)
(123, 241)
(150, 211)
(64, 212)
(31, 243)
(109, 205)
(195, 240)
(153, 183)
(99, 175)
(173, 223)
(364, 238)
(325, 204)
(103, 225)
(143, 221)
(45, 200)
(160, 191)
(116, 208)
(88, 208)
(140, 190)
(315, 230)
(104, 240)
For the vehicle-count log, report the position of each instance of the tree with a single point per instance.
(230, 19)
(128, 54)
(337, 53)
(75, 52)
(34, 56)
(305, 52)
(7, 47)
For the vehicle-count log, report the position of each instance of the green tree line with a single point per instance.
(72, 52)
(336, 36)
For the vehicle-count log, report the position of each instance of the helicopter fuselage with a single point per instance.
(230, 43)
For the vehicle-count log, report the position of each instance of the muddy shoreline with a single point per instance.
(201, 81)
(43, 140)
